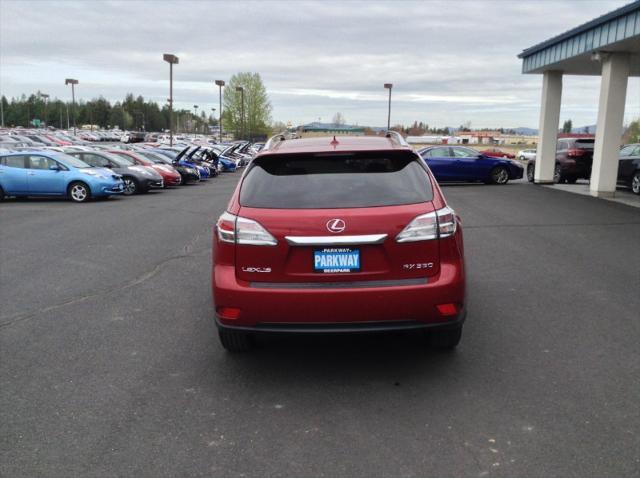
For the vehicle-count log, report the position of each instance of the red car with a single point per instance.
(170, 176)
(345, 235)
(498, 153)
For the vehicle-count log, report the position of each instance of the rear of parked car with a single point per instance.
(350, 235)
(574, 157)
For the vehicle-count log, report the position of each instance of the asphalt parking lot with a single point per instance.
(110, 364)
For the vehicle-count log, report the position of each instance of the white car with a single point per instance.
(526, 154)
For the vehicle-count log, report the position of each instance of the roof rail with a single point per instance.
(394, 135)
(275, 139)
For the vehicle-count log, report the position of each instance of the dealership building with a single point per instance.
(609, 47)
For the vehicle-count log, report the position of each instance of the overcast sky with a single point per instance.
(450, 62)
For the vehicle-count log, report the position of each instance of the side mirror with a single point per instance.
(54, 167)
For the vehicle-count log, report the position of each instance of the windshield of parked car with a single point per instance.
(335, 181)
(118, 159)
(156, 158)
(70, 160)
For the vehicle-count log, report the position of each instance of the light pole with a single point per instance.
(195, 119)
(389, 86)
(220, 84)
(46, 102)
(172, 60)
(2, 111)
(241, 90)
(213, 115)
(73, 83)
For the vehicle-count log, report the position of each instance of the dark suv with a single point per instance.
(573, 160)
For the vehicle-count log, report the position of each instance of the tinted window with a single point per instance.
(13, 161)
(438, 153)
(585, 143)
(335, 181)
(94, 160)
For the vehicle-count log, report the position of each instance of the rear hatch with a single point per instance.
(335, 218)
(582, 153)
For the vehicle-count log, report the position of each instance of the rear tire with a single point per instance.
(499, 175)
(571, 179)
(235, 341)
(79, 192)
(444, 339)
(1, 194)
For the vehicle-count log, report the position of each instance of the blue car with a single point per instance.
(47, 173)
(460, 164)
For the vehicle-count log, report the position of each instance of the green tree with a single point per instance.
(567, 126)
(257, 107)
(632, 132)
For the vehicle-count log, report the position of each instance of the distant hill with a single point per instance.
(526, 131)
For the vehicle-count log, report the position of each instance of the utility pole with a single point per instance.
(241, 90)
(220, 84)
(389, 86)
(172, 60)
(46, 102)
(72, 82)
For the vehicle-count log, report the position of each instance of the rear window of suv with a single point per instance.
(585, 143)
(329, 181)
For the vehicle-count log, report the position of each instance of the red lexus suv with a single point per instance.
(338, 235)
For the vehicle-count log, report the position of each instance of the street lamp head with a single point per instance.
(220, 82)
(388, 85)
(44, 95)
(195, 106)
(169, 58)
(70, 81)
(239, 88)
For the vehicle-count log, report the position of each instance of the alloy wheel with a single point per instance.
(501, 176)
(79, 193)
(635, 183)
(557, 174)
(129, 186)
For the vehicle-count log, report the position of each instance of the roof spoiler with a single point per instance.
(397, 137)
(275, 139)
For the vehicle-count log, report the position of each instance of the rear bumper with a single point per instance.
(576, 168)
(345, 328)
(339, 309)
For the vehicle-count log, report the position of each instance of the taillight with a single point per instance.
(240, 230)
(433, 225)
(575, 153)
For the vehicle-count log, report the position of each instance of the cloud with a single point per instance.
(449, 61)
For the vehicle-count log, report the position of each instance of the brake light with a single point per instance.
(240, 230)
(433, 225)
(575, 153)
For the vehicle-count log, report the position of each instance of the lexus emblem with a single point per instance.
(336, 225)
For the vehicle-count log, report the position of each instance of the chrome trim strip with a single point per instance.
(335, 240)
(362, 284)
